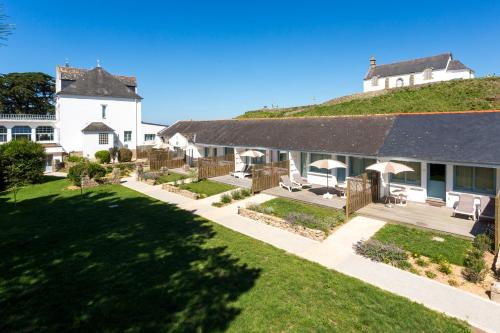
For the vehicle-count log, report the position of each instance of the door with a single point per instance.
(436, 181)
(48, 163)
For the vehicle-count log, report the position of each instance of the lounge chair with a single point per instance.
(487, 208)
(300, 181)
(287, 183)
(465, 206)
(243, 172)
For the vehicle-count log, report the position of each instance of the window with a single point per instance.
(228, 151)
(21, 132)
(428, 74)
(127, 136)
(206, 152)
(375, 81)
(3, 134)
(357, 165)
(44, 133)
(282, 156)
(103, 138)
(103, 110)
(474, 179)
(303, 164)
(256, 160)
(408, 178)
(149, 137)
(316, 157)
(341, 171)
(399, 82)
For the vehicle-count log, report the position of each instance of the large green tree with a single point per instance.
(27, 93)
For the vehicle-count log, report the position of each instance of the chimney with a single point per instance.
(373, 63)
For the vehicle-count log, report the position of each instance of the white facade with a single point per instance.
(149, 133)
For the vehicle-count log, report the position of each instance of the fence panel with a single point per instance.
(215, 166)
(142, 152)
(497, 223)
(265, 176)
(165, 159)
(361, 191)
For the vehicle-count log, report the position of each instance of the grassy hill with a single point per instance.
(458, 95)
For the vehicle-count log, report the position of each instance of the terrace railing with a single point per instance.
(215, 166)
(265, 176)
(12, 116)
(361, 191)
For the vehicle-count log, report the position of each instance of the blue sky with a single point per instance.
(217, 59)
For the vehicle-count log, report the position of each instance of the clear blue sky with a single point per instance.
(217, 59)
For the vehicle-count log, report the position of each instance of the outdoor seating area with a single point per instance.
(312, 194)
(235, 181)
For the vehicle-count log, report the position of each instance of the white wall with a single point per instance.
(9, 124)
(76, 112)
(150, 129)
(437, 76)
(91, 144)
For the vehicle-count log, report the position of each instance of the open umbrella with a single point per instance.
(389, 167)
(328, 164)
(252, 153)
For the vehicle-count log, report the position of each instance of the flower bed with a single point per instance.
(235, 195)
(283, 224)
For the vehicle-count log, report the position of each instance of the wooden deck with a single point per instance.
(425, 216)
(230, 180)
(312, 195)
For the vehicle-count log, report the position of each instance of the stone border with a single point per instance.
(174, 189)
(314, 234)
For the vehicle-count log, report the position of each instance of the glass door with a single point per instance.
(436, 181)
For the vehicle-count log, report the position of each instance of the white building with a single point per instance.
(437, 68)
(95, 110)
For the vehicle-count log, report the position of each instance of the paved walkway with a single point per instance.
(336, 252)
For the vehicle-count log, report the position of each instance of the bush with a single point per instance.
(225, 199)
(430, 274)
(452, 282)
(124, 155)
(484, 242)
(21, 161)
(103, 156)
(380, 252)
(236, 195)
(475, 266)
(422, 262)
(445, 267)
(93, 170)
(75, 159)
(246, 192)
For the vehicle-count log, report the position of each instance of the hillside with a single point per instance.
(458, 95)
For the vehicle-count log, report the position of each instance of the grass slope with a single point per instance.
(458, 95)
(420, 241)
(78, 263)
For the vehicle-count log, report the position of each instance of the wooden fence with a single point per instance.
(265, 176)
(142, 152)
(215, 166)
(361, 191)
(165, 159)
(497, 223)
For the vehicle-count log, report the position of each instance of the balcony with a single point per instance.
(27, 117)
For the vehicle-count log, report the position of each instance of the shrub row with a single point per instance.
(380, 252)
(474, 264)
(234, 195)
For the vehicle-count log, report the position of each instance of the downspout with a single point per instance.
(136, 142)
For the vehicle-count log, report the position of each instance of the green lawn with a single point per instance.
(420, 241)
(114, 260)
(456, 95)
(171, 177)
(207, 187)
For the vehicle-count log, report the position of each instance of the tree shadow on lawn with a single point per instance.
(72, 263)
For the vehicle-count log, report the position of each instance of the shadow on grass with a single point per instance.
(114, 263)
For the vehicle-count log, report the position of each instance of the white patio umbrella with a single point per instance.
(252, 153)
(328, 164)
(389, 167)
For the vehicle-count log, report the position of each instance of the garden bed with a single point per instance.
(206, 188)
(306, 219)
(233, 196)
(177, 190)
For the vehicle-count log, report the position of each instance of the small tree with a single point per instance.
(113, 152)
(16, 179)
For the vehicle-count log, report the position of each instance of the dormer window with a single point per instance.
(375, 81)
(103, 111)
(428, 74)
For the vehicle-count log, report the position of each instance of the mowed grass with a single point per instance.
(114, 260)
(207, 187)
(454, 249)
(456, 95)
(171, 177)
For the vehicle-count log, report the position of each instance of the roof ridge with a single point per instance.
(414, 59)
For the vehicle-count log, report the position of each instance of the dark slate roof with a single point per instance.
(436, 62)
(471, 137)
(97, 127)
(73, 73)
(98, 82)
(456, 65)
(357, 135)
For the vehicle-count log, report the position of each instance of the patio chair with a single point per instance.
(487, 208)
(287, 183)
(465, 206)
(244, 171)
(341, 190)
(298, 180)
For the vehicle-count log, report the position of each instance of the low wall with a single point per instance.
(186, 193)
(280, 223)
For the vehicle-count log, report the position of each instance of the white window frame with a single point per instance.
(103, 138)
(127, 138)
(3, 134)
(375, 81)
(21, 134)
(103, 110)
(398, 80)
(149, 137)
(42, 131)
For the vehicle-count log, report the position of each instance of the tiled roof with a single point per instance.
(456, 65)
(98, 82)
(73, 73)
(97, 127)
(436, 62)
